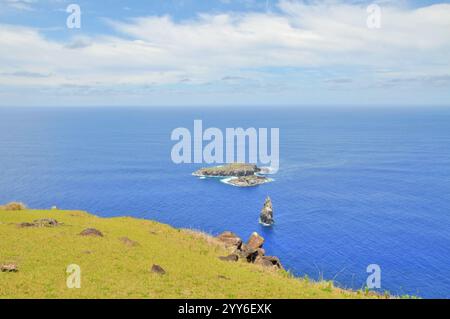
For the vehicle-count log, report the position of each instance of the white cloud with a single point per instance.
(412, 43)
(26, 5)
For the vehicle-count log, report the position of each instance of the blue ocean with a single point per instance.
(356, 186)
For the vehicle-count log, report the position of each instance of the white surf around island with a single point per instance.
(229, 179)
(265, 224)
(267, 170)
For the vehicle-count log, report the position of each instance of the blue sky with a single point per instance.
(224, 52)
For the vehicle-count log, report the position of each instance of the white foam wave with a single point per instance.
(267, 170)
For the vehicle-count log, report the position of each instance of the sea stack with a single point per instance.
(266, 217)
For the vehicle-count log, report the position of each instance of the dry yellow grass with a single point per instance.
(111, 268)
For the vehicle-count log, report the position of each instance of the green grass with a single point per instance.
(112, 269)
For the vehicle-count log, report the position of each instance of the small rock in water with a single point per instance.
(266, 217)
(91, 232)
(157, 269)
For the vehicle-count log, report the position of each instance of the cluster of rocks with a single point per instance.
(248, 181)
(44, 222)
(251, 252)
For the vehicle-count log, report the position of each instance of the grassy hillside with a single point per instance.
(118, 264)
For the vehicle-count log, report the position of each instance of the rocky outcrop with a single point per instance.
(255, 241)
(230, 239)
(91, 232)
(266, 216)
(269, 261)
(236, 169)
(251, 252)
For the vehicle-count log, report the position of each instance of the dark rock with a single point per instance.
(232, 257)
(9, 268)
(230, 239)
(91, 232)
(269, 261)
(251, 255)
(46, 222)
(255, 241)
(247, 253)
(158, 270)
(275, 261)
(127, 241)
(266, 216)
(263, 261)
(261, 251)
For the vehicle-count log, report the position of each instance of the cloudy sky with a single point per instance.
(224, 52)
